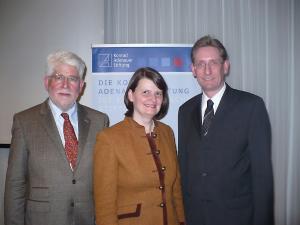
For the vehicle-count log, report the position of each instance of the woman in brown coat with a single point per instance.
(136, 175)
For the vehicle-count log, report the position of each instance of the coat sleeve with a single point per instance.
(261, 166)
(15, 185)
(182, 155)
(105, 181)
(177, 192)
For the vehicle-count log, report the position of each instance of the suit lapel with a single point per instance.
(226, 104)
(48, 123)
(83, 128)
(224, 107)
(196, 115)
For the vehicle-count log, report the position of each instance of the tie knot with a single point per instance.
(210, 104)
(65, 116)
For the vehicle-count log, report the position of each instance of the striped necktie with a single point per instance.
(208, 117)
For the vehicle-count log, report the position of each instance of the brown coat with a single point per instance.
(134, 184)
(41, 188)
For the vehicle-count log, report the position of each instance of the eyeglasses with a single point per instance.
(212, 64)
(59, 78)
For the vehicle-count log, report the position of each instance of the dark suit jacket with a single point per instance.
(41, 188)
(227, 175)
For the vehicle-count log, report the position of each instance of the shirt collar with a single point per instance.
(216, 99)
(72, 112)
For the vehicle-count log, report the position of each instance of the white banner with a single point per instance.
(113, 66)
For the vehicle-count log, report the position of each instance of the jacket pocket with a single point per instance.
(37, 206)
(39, 193)
(240, 202)
(129, 211)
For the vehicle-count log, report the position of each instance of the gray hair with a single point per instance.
(65, 57)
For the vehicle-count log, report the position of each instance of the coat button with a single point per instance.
(163, 168)
(161, 187)
(154, 135)
(157, 152)
(162, 205)
(73, 181)
(203, 174)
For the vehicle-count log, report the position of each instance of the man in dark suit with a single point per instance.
(49, 175)
(224, 147)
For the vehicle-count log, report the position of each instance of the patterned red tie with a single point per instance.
(71, 143)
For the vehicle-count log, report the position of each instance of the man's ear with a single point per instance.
(81, 86)
(193, 70)
(226, 66)
(46, 82)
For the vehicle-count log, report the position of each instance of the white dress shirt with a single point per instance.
(59, 120)
(216, 100)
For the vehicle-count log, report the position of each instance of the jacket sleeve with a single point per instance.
(177, 192)
(105, 181)
(261, 166)
(182, 155)
(15, 185)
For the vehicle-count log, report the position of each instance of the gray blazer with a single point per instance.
(41, 188)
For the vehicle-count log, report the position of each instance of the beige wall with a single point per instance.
(30, 30)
